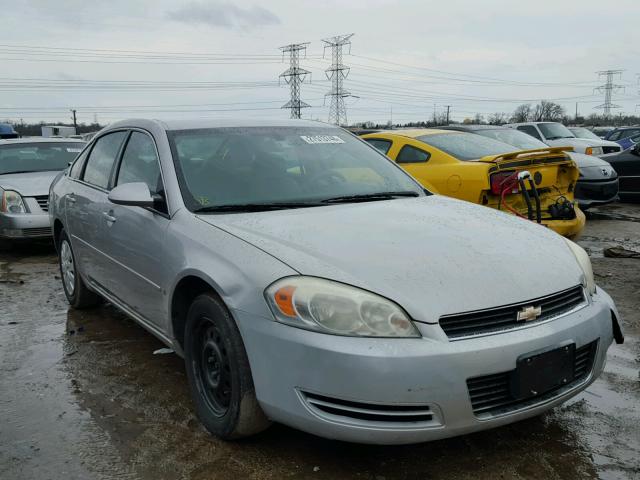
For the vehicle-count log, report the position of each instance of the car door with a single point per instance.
(134, 237)
(85, 201)
(627, 166)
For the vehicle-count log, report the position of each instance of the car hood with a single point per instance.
(28, 184)
(432, 255)
(582, 143)
(585, 161)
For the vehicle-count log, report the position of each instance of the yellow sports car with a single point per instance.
(533, 184)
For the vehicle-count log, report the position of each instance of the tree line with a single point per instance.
(35, 129)
(545, 111)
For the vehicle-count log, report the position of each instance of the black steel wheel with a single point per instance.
(218, 371)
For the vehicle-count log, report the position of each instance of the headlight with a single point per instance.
(585, 264)
(12, 202)
(594, 151)
(336, 308)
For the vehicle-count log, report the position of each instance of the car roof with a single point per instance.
(181, 124)
(626, 128)
(415, 132)
(23, 140)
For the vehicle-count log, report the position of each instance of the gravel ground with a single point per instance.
(83, 396)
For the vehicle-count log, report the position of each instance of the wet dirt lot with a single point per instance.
(83, 396)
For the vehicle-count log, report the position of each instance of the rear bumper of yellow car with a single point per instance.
(568, 228)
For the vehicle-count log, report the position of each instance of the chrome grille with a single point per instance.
(491, 394)
(43, 202)
(504, 318)
(36, 232)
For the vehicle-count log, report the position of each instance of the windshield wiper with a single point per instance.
(371, 197)
(255, 207)
(18, 171)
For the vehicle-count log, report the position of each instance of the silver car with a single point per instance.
(27, 168)
(308, 280)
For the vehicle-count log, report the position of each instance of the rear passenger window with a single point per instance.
(102, 158)
(382, 145)
(531, 130)
(140, 163)
(410, 154)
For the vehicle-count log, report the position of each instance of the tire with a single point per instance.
(218, 372)
(77, 293)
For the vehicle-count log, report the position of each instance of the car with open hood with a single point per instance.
(597, 183)
(537, 184)
(308, 280)
(27, 168)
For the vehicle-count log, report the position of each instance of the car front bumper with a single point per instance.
(294, 369)
(589, 193)
(24, 226)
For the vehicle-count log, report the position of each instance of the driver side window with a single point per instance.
(140, 163)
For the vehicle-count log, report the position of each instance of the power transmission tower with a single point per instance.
(294, 76)
(609, 88)
(337, 72)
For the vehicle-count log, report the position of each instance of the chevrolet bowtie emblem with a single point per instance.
(528, 314)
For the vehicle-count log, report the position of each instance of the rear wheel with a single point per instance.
(219, 373)
(77, 293)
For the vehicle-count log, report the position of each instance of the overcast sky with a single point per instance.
(212, 58)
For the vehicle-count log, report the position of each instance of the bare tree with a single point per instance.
(547, 111)
(498, 118)
(522, 113)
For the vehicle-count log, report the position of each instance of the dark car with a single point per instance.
(624, 136)
(598, 182)
(627, 165)
(7, 131)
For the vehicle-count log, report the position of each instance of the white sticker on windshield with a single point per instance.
(315, 139)
(74, 150)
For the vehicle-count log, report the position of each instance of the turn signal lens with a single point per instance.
(284, 300)
(589, 151)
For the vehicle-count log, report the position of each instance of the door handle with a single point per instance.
(110, 218)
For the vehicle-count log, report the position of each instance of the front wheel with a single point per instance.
(77, 293)
(218, 371)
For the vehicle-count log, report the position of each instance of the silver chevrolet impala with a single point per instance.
(308, 280)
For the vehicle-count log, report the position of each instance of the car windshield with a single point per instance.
(514, 137)
(37, 157)
(554, 131)
(281, 166)
(581, 132)
(466, 146)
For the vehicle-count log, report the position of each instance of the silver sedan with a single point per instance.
(308, 280)
(27, 167)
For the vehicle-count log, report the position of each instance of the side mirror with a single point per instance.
(133, 194)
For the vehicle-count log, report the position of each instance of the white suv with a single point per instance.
(556, 134)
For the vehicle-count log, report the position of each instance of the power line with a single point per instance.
(295, 76)
(336, 73)
(608, 88)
